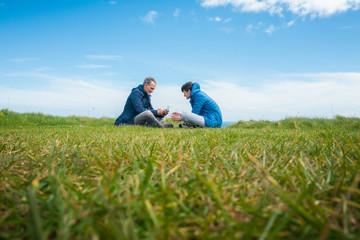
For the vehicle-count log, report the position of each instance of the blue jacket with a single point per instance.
(205, 106)
(137, 102)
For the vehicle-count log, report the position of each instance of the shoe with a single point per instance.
(168, 125)
(187, 125)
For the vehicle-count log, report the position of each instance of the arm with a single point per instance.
(175, 116)
(198, 104)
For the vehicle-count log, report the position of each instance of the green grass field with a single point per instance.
(82, 178)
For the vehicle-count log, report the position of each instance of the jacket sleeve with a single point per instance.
(198, 104)
(155, 113)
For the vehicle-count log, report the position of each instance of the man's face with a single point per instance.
(187, 94)
(149, 88)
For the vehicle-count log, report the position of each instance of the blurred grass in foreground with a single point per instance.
(82, 178)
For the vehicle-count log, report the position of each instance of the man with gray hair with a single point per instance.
(138, 109)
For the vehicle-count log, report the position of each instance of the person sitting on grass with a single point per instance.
(138, 109)
(205, 111)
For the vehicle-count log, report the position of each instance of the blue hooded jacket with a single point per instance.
(137, 102)
(205, 106)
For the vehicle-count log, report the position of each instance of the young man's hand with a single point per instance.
(175, 116)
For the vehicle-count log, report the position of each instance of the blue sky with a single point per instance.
(257, 59)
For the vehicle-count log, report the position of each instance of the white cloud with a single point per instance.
(215, 19)
(289, 24)
(219, 19)
(320, 8)
(251, 28)
(270, 29)
(150, 17)
(65, 96)
(227, 20)
(113, 2)
(93, 66)
(260, 26)
(176, 13)
(308, 95)
(103, 57)
(287, 95)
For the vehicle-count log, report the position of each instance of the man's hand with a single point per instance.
(161, 112)
(175, 116)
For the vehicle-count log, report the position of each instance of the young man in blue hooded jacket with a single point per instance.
(138, 109)
(205, 111)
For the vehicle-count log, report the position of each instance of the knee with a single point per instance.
(184, 116)
(147, 113)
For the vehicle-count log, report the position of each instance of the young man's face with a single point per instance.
(187, 94)
(149, 88)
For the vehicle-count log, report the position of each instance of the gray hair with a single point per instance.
(148, 80)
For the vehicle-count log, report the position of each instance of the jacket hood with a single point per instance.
(195, 89)
(141, 88)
